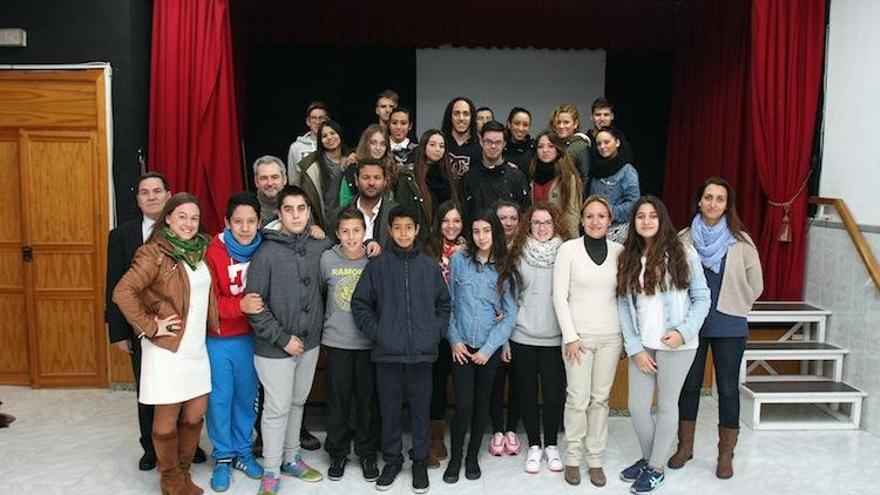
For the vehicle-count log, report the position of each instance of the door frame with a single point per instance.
(106, 214)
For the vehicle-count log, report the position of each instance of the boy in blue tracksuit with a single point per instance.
(402, 305)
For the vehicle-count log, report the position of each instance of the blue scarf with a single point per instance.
(239, 252)
(711, 242)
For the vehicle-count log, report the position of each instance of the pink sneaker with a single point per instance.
(498, 444)
(511, 444)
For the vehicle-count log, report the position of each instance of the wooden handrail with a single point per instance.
(852, 228)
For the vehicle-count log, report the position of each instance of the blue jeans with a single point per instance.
(727, 354)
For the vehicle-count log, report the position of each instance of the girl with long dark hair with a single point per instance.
(482, 285)
(430, 183)
(662, 302)
(554, 178)
(320, 174)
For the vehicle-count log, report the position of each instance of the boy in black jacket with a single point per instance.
(402, 305)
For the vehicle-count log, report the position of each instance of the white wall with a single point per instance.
(504, 78)
(851, 144)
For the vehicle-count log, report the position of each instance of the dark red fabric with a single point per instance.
(708, 126)
(566, 24)
(788, 49)
(194, 138)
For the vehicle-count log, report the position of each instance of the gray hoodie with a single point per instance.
(339, 277)
(285, 272)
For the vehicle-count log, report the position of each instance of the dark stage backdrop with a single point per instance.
(640, 86)
(282, 80)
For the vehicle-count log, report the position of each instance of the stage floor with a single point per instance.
(85, 442)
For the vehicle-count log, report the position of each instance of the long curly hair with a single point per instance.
(560, 228)
(498, 253)
(666, 256)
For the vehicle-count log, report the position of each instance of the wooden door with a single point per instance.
(13, 323)
(53, 162)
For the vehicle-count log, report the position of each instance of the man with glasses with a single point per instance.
(495, 178)
(316, 114)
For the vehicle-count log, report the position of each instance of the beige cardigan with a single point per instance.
(743, 279)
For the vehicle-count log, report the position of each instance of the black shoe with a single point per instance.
(453, 469)
(337, 468)
(147, 462)
(369, 468)
(200, 457)
(420, 477)
(389, 474)
(308, 441)
(472, 469)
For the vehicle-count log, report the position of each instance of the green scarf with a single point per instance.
(191, 252)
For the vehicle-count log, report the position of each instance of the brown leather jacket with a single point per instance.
(156, 285)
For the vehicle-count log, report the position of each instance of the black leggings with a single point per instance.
(529, 362)
(496, 405)
(727, 354)
(472, 382)
(440, 380)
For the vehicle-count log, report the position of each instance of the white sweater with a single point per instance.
(584, 293)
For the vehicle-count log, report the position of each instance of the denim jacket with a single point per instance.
(475, 305)
(684, 310)
(621, 190)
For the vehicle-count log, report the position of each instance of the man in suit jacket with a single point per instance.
(124, 240)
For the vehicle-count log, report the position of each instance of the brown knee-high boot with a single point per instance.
(438, 447)
(189, 439)
(726, 442)
(685, 451)
(166, 447)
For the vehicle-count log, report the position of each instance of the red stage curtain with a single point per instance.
(708, 125)
(194, 137)
(788, 48)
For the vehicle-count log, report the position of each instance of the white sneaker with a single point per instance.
(533, 461)
(553, 459)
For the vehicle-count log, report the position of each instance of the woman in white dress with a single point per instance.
(166, 296)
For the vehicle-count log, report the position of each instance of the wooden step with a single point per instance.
(807, 322)
(811, 354)
(801, 405)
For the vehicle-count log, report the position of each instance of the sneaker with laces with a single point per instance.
(420, 483)
(337, 468)
(533, 461)
(554, 461)
(496, 445)
(299, 469)
(389, 474)
(369, 468)
(249, 466)
(632, 473)
(221, 478)
(511, 444)
(648, 481)
(269, 484)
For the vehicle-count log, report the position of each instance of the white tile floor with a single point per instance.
(84, 442)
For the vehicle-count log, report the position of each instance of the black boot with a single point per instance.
(472, 468)
(453, 469)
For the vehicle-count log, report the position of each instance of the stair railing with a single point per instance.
(855, 234)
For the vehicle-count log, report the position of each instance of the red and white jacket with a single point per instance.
(230, 280)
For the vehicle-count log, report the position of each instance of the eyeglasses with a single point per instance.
(545, 223)
(497, 143)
